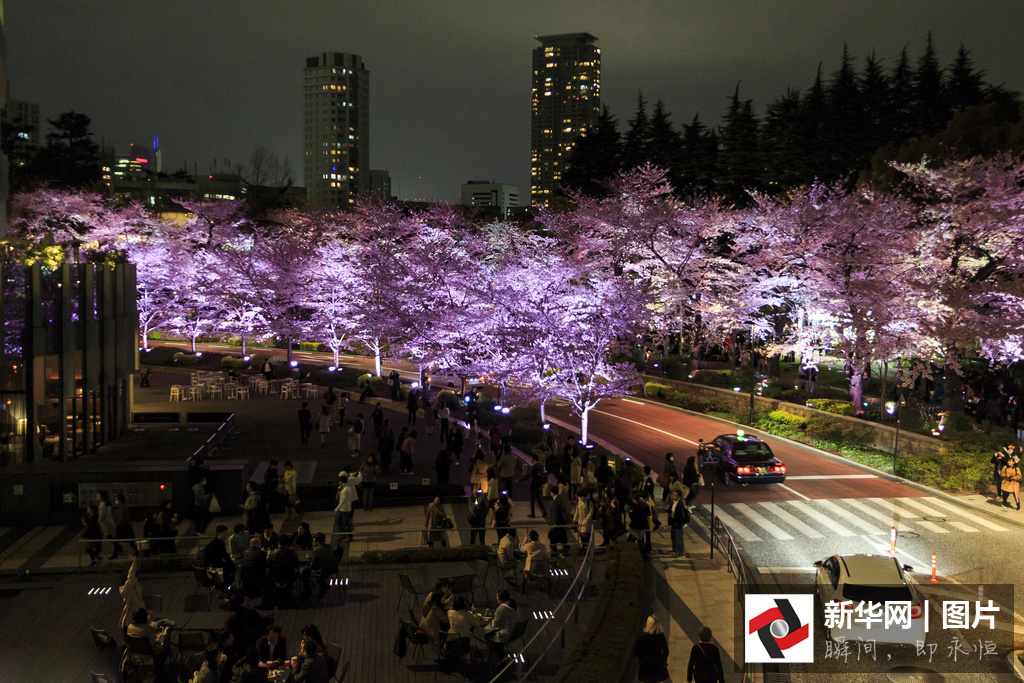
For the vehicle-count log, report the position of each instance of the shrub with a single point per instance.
(311, 346)
(159, 355)
(363, 380)
(775, 388)
(603, 650)
(447, 397)
(233, 341)
(656, 390)
(722, 379)
(156, 336)
(525, 414)
(827, 429)
(797, 396)
(674, 368)
(832, 406)
(525, 433)
(780, 423)
(185, 360)
(232, 363)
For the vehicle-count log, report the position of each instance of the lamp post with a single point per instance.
(892, 407)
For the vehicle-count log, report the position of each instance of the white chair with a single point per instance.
(196, 393)
(312, 391)
(175, 392)
(241, 392)
(231, 392)
(262, 386)
(216, 391)
(285, 390)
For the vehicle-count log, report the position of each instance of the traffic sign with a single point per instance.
(708, 458)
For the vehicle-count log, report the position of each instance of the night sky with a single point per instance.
(449, 80)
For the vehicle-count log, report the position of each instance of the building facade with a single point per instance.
(566, 104)
(336, 129)
(380, 184)
(484, 193)
(70, 348)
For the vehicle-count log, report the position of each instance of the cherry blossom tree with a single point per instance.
(331, 296)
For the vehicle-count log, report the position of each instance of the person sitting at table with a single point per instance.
(238, 542)
(504, 621)
(254, 569)
(303, 538)
(461, 622)
(269, 535)
(245, 624)
(209, 672)
(272, 649)
(312, 668)
(217, 560)
(141, 628)
(323, 563)
(283, 567)
(435, 609)
(226, 645)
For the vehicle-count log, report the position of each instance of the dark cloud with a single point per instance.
(450, 79)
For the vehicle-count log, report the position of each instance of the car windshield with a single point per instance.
(859, 593)
(751, 452)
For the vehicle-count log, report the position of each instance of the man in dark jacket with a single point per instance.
(218, 561)
(305, 423)
(678, 517)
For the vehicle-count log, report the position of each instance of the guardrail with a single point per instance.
(217, 439)
(568, 608)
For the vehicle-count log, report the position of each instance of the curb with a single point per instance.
(838, 458)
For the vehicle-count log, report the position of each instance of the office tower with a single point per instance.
(566, 104)
(481, 193)
(336, 140)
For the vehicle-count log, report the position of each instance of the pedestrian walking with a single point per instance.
(331, 399)
(105, 516)
(678, 517)
(396, 382)
(999, 460)
(537, 477)
(290, 479)
(377, 418)
(412, 404)
(272, 488)
(343, 511)
(692, 479)
(502, 517)
(455, 442)
(506, 466)
(406, 452)
(323, 425)
(385, 445)
(1010, 481)
(91, 531)
(305, 423)
(436, 524)
(583, 516)
(268, 370)
(355, 436)
(652, 650)
(705, 665)
(478, 509)
(667, 471)
(444, 415)
(200, 506)
(368, 473)
(429, 416)
(123, 529)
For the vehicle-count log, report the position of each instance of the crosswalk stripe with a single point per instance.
(737, 528)
(893, 509)
(932, 526)
(977, 519)
(886, 520)
(824, 520)
(915, 503)
(791, 520)
(759, 519)
(962, 527)
(848, 517)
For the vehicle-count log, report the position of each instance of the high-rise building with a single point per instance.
(336, 140)
(484, 193)
(566, 104)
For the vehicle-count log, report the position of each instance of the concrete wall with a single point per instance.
(883, 436)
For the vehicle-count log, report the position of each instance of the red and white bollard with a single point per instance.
(892, 542)
(934, 578)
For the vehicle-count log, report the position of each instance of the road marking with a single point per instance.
(760, 520)
(914, 503)
(977, 519)
(641, 424)
(787, 570)
(737, 528)
(857, 521)
(789, 519)
(896, 511)
(805, 477)
(794, 492)
(961, 526)
(821, 519)
(630, 400)
(932, 526)
(888, 519)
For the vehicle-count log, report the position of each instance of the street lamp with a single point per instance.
(893, 408)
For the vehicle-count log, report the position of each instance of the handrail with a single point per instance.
(518, 659)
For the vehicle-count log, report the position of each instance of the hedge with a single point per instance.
(603, 650)
(832, 406)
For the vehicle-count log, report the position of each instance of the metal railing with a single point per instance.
(217, 439)
(568, 608)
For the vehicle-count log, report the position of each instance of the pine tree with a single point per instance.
(740, 156)
(843, 133)
(782, 143)
(813, 116)
(637, 139)
(664, 145)
(878, 106)
(904, 122)
(965, 85)
(595, 158)
(698, 160)
(931, 103)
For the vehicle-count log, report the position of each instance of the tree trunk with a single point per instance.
(543, 412)
(951, 387)
(584, 423)
(337, 359)
(194, 345)
(857, 391)
(377, 362)
(145, 340)
(243, 343)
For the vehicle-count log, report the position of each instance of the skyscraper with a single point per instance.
(336, 140)
(566, 103)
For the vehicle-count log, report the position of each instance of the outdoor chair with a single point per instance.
(138, 656)
(190, 645)
(102, 638)
(481, 568)
(413, 637)
(410, 589)
(334, 653)
(175, 393)
(540, 572)
(340, 678)
(100, 678)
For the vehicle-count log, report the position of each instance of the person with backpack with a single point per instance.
(705, 665)
(678, 518)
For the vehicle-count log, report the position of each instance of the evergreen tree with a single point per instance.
(637, 139)
(595, 158)
(878, 106)
(964, 85)
(904, 121)
(813, 116)
(70, 158)
(782, 143)
(740, 155)
(698, 160)
(931, 103)
(664, 146)
(843, 133)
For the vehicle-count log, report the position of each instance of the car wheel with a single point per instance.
(726, 479)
